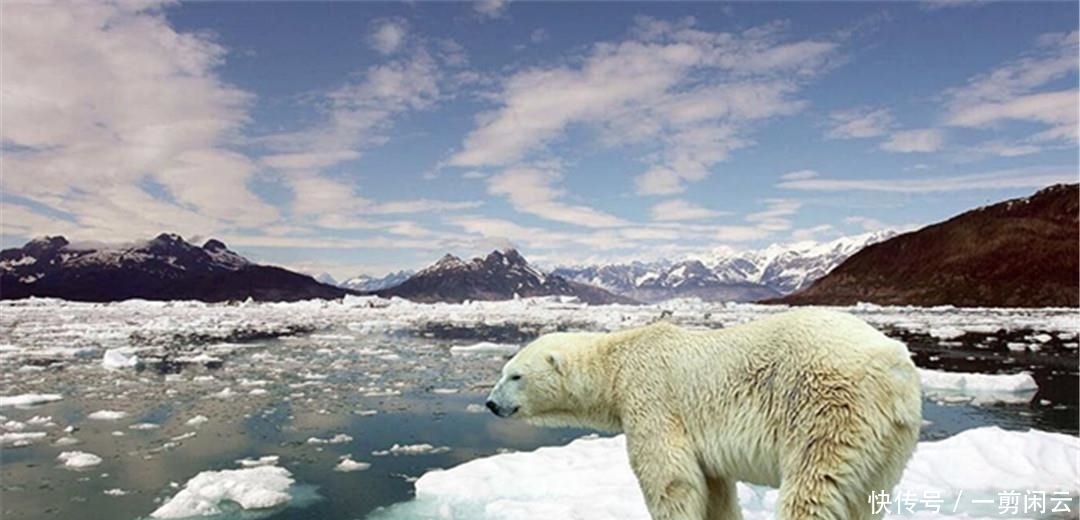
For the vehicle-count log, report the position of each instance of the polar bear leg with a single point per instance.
(668, 473)
(723, 500)
(831, 475)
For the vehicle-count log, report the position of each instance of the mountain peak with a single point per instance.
(215, 245)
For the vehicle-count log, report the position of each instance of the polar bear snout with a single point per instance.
(501, 411)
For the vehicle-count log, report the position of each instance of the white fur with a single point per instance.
(817, 403)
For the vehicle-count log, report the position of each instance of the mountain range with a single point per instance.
(501, 275)
(164, 268)
(744, 276)
(1018, 253)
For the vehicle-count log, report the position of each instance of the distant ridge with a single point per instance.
(164, 268)
(501, 275)
(1017, 253)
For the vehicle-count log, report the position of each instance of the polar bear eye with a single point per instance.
(515, 377)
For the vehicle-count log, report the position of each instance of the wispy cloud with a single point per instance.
(1002, 179)
(915, 141)
(859, 123)
(534, 190)
(1017, 91)
(696, 93)
(679, 210)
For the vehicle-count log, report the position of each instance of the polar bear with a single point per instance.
(815, 402)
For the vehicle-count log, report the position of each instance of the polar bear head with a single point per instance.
(546, 383)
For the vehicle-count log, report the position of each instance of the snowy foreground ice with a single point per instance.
(591, 478)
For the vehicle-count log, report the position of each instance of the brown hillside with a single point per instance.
(1018, 253)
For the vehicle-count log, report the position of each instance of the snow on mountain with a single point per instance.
(501, 275)
(165, 267)
(368, 283)
(726, 275)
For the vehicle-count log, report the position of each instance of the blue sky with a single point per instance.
(368, 137)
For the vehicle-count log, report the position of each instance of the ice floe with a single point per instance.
(119, 358)
(259, 487)
(20, 439)
(107, 415)
(411, 449)
(485, 347)
(347, 464)
(28, 399)
(591, 478)
(978, 388)
(78, 459)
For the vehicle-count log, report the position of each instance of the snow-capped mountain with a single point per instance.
(744, 276)
(371, 283)
(501, 275)
(164, 268)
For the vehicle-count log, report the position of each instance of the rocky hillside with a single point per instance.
(165, 268)
(501, 275)
(1017, 253)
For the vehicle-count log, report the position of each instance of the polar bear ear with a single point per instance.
(555, 360)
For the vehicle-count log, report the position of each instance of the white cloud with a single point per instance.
(388, 36)
(114, 118)
(1053, 108)
(490, 8)
(866, 223)
(678, 209)
(1014, 92)
(799, 174)
(812, 233)
(1002, 179)
(858, 123)
(685, 97)
(775, 217)
(533, 190)
(911, 141)
(539, 35)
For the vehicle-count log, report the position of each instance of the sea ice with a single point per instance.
(118, 358)
(78, 459)
(411, 449)
(485, 347)
(591, 478)
(28, 399)
(107, 415)
(347, 464)
(20, 439)
(251, 488)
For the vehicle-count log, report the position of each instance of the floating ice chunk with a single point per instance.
(947, 332)
(78, 459)
(197, 420)
(411, 449)
(119, 358)
(28, 399)
(963, 381)
(40, 420)
(347, 464)
(266, 460)
(260, 487)
(66, 440)
(591, 478)
(340, 438)
(476, 408)
(20, 439)
(485, 347)
(107, 415)
(116, 492)
(144, 426)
